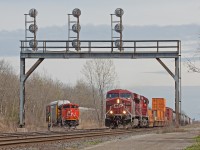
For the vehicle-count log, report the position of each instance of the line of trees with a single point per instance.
(41, 89)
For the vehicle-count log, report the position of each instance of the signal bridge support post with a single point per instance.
(177, 91)
(22, 92)
(23, 77)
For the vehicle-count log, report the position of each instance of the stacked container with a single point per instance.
(159, 109)
(151, 118)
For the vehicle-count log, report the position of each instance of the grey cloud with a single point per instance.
(9, 41)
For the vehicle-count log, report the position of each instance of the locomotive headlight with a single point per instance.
(124, 112)
(111, 112)
(118, 101)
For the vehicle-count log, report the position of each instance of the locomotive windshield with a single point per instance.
(112, 95)
(74, 106)
(122, 95)
(66, 106)
(125, 95)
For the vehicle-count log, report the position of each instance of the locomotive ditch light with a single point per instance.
(111, 112)
(124, 112)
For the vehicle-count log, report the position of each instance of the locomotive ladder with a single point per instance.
(103, 49)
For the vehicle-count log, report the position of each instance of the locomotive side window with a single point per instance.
(112, 95)
(146, 102)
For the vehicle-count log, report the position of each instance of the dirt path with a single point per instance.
(163, 141)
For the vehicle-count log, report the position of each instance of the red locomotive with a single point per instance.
(62, 113)
(126, 108)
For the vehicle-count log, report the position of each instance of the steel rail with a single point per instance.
(47, 138)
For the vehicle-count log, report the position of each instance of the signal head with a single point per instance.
(33, 12)
(119, 12)
(76, 12)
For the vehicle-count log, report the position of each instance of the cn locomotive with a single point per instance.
(62, 113)
(125, 108)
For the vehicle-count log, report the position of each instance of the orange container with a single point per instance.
(151, 119)
(159, 104)
(150, 114)
(159, 115)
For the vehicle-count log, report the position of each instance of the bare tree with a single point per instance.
(192, 66)
(101, 76)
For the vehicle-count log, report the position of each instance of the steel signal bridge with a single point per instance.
(103, 49)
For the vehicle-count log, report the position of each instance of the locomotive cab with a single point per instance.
(70, 114)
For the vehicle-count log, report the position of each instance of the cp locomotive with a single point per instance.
(125, 108)
(62, 113)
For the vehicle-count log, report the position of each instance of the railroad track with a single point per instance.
(40, 137)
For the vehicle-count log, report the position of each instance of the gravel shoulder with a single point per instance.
(179, 140)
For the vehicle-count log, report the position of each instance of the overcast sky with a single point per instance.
(136, 12)
(144, 13)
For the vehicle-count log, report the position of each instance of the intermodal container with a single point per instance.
(158, 104)
(151, 119)
(159, 115)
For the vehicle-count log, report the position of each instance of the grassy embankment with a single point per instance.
(195, 146)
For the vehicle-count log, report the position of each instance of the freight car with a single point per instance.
(160, 115)
(125, 108)
(158, 110)
(62, 113)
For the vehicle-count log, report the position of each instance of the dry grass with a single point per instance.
(7, 126)
(88, 119)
